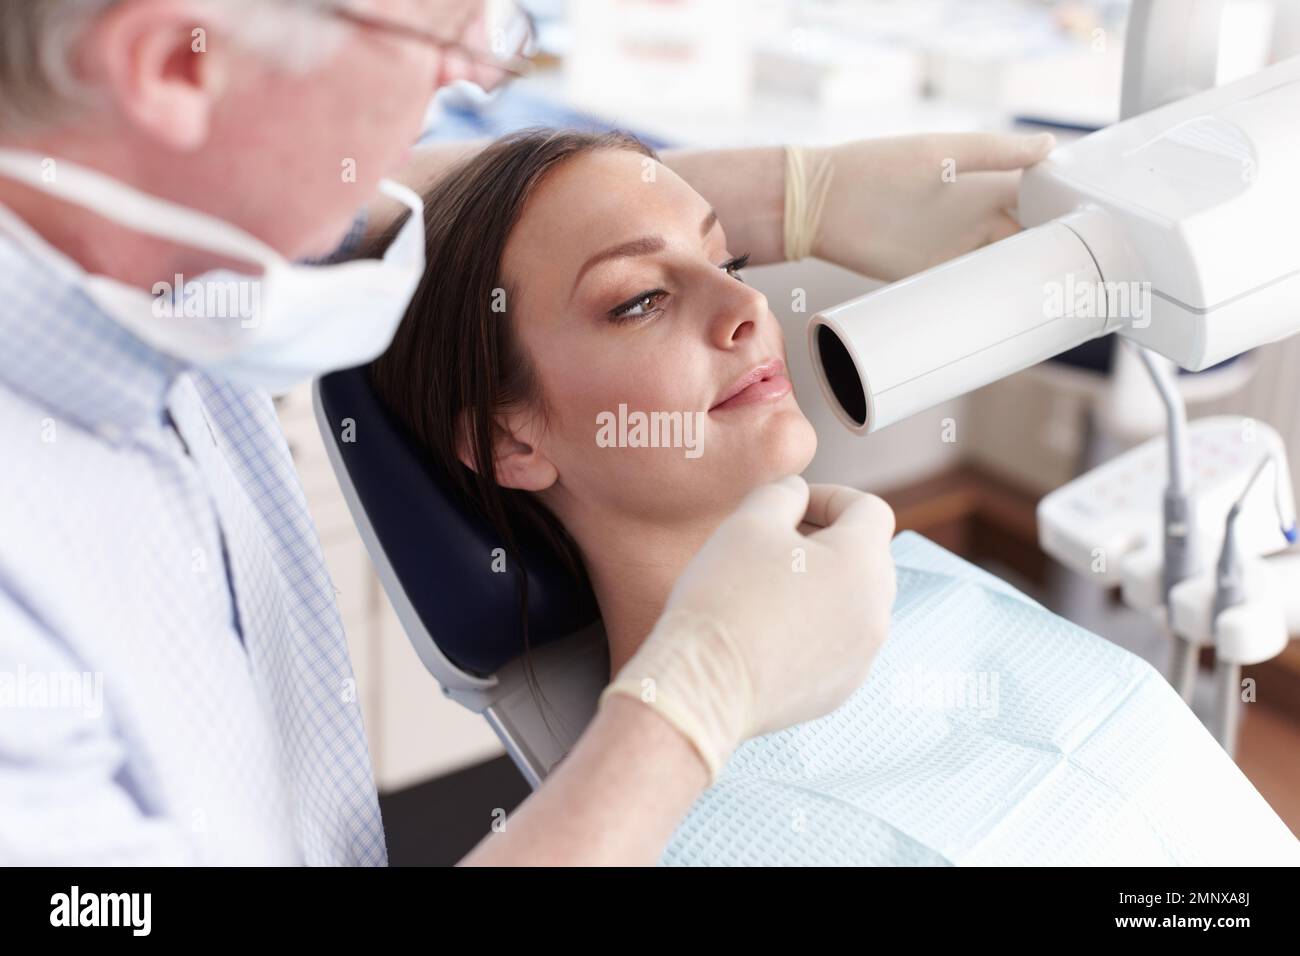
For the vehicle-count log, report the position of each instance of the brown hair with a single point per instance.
(455, 360)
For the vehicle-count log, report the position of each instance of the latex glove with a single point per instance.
(898, 205)
(768, 627)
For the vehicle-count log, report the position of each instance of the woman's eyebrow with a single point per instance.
(644, 246)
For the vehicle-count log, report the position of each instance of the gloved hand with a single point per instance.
(768, 627)
(897, 205)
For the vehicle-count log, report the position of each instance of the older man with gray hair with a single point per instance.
(152, 530)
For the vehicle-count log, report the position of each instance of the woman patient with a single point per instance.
(572, 282)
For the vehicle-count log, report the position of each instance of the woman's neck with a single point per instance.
(633, 565)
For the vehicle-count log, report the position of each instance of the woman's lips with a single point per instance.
(767, 383)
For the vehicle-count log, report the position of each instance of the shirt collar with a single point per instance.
(62, 351)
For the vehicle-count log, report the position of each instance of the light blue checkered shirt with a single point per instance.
(174, 680)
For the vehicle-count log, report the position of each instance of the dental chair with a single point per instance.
(435, 559)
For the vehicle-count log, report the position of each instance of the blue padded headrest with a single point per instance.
(440, 551)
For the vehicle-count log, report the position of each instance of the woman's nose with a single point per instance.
(738, 315)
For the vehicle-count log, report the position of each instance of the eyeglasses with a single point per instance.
(497, 40)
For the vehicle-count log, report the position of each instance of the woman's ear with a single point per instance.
(520, 463)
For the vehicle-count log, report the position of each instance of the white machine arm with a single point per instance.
(1173, 228)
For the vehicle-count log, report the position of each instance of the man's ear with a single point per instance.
(520, 463)
(165, 72)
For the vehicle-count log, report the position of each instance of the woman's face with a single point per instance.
(625, 294)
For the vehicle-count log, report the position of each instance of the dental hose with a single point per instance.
(1230, 591)
(1180, 559)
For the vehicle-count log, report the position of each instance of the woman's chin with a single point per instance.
(734, 462)
(785, 446)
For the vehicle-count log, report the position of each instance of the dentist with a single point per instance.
(174, 680)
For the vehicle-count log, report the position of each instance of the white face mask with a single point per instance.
(274, 331)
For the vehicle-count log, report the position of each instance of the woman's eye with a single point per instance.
(734, 265)
(638, 308)
(647, 303)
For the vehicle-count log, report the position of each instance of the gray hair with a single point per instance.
(38, 39)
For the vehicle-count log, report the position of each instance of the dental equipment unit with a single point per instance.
(1188, 206)
(1170, 229)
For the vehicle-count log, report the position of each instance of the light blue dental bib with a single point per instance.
(990, 732)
